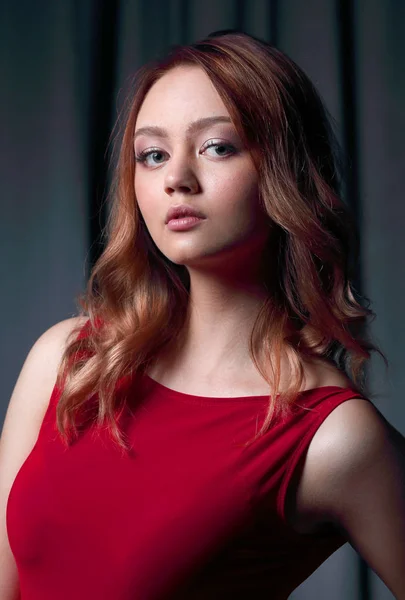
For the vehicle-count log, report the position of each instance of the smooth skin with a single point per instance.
(353, 477)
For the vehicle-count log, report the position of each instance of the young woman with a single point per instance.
(201, 430)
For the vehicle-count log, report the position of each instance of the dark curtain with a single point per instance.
(66, 67)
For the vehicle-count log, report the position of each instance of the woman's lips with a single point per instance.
(184, 223)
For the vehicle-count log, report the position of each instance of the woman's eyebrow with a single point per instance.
(193, 127)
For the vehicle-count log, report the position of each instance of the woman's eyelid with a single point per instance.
(196, 141)
(207, 144)
(217, 142)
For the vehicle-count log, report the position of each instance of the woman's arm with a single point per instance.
(354, 477)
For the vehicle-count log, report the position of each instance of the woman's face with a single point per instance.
(189, 152)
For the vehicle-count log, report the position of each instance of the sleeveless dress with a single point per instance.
(188, 513)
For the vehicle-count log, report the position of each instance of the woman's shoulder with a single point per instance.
(347, 442)
(31, 394)
(339, 429)
(60, 331)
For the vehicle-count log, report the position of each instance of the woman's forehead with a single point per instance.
(183, 94)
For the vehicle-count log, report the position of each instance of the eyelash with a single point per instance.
(142, 157)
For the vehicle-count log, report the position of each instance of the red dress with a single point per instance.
(188, 514)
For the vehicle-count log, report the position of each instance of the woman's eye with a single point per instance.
(155, 155)
(220, 149)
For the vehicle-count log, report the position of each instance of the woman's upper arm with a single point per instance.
(24, 416)
(354, 477)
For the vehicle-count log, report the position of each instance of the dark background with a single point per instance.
(65, 69)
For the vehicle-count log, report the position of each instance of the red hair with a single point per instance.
(136, 297)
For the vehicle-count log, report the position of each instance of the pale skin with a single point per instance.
(354, 472)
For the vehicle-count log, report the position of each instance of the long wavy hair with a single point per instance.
(136, 298)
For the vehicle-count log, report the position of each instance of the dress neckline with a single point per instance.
(175, 394)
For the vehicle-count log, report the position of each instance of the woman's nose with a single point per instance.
(180, 178)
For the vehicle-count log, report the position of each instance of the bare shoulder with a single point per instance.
(46, 352)
(37, 377)
(43, 360)
(348, 435)
(354, 481)
(347, 447)
(30, 398)
(57, 335)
